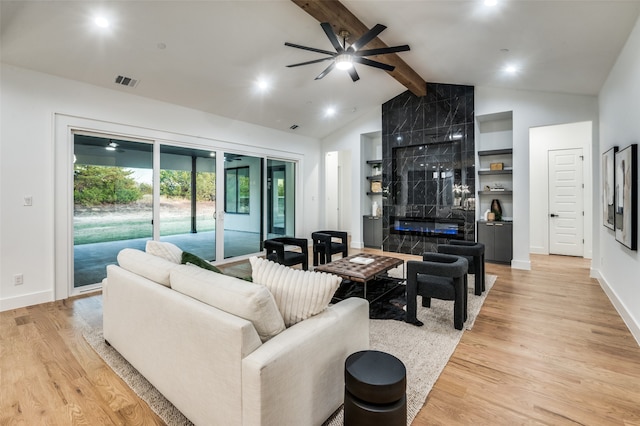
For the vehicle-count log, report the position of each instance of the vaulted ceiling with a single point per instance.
(208, 55)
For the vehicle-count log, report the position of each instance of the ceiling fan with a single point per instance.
(344, 57)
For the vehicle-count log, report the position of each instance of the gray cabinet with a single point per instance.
(372, 231)
(497, 238)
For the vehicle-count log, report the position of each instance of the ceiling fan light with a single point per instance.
(344, 62)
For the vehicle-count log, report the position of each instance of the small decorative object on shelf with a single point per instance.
(496, 166)
(460, 192)
(376, 186)
(496, 209)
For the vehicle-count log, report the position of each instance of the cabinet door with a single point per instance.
(503, 242)
(486, 237)
(377, 232)
(372, 231)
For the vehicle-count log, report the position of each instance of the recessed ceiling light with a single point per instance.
(262, 85)
(330, 112)
(511, 69)
(490, 2)
(101, 22)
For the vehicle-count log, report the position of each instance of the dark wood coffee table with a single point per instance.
(358, 272)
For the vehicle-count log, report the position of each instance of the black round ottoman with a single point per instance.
(375, 384)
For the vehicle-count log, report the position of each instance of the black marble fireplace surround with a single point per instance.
(428, 157)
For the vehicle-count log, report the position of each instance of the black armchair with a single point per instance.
(276, 251)
(474, 253)
(441, 276)
(328, 243)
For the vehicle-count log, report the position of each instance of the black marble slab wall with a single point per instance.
(428, 160)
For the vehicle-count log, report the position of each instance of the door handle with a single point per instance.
(554, 215)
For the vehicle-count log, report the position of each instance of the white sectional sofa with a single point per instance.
(214, 366)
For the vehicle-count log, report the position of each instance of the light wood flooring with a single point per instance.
(547, 348)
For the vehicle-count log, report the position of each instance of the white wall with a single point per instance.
(30, 102)
(348, 139)
(532, 109)
(619, 101)
(542, 140)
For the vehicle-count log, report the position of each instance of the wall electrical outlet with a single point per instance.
(18, 279)
(28, 200)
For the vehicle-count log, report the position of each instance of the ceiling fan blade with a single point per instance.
(354, 75)
(382, 50)
(309, 62)
(332, 37)
(367, 37)
(326, 71)
(375, 64)
(312, 49)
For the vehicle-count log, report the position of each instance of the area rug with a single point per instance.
(424, 351)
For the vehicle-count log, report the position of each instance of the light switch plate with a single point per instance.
(28, 200)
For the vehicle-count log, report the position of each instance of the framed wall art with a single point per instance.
(626, 196)
(608, 188)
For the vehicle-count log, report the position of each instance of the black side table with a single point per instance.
(375, 390)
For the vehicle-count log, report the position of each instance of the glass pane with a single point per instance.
(188, 199)
(243, 205)
(113, 203)
(281, 198)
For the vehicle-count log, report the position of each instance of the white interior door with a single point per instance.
(332, 185)
(566, 202)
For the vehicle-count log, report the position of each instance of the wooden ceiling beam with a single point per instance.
(341, 18)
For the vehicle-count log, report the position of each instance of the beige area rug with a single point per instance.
(424, 351)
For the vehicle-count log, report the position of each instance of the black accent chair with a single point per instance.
(440, 276)
(328, 243)
(276, 251)
(474, 253)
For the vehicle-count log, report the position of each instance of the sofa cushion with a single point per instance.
(190, 258)
(147, 265)
(168, 251)
(232, 295)
(299, 294)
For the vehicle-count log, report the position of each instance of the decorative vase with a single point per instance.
(374, 209)
(496, 208)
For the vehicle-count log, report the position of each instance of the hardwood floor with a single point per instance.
(547, 348)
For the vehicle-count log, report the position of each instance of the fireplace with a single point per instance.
(428, 227)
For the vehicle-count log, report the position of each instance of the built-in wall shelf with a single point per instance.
(495, 151)
(374, 161)
(495, 192)
(495, 172)
(505, 151)
(376, 177)
(374, 193)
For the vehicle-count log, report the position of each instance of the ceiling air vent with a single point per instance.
(293, 127)
(126, 81)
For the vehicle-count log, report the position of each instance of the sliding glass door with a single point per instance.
(280, 198)
(188, 199)
(242, 204)
(112, 202)
(115, 201)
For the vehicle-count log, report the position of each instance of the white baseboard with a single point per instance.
(521, 264)
(631, 324)
(538, 250)
(26, 300)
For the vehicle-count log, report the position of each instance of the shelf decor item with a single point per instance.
(376, 186)
(608, 187)
(496, 209)
(626, 196)
(496, 166)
